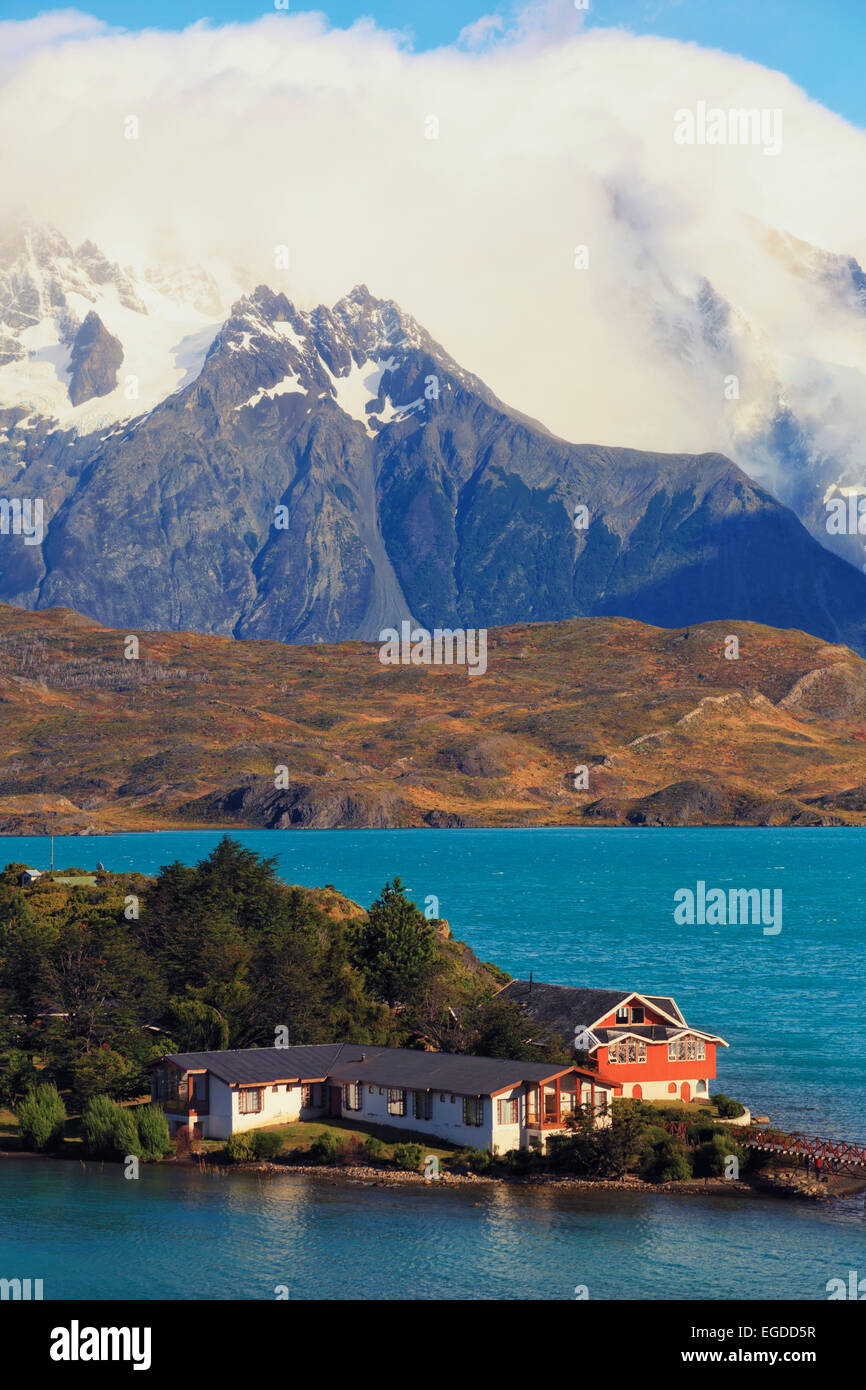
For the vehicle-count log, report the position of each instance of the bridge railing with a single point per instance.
(836, 1151)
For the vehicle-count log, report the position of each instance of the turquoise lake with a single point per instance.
(588, 907)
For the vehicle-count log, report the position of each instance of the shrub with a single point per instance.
(408, 1157)
(665, 1161)
(266, 1143)
(110, 1131)
(373, 1147)
(153, 1133)
(710, 1158)
(701, 1132)
(239, 1148)
(325, 1149)
(521, 1160)
(41, 1117)
(477, 1160)
(352, 1152)
(727, 1108)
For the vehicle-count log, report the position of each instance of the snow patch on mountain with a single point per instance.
(360, 387)
(289, 385)
(164, 324)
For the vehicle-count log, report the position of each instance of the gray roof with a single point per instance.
(665, 1003)
(403, 1067)
(252, 1065)
(399, 1067)
(564, 1008)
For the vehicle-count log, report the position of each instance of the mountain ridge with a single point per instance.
(329, 472)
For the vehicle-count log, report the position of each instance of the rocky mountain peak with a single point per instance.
(94, 362)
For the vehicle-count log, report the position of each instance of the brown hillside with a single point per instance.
(670, 730)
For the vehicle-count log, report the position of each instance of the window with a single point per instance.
(250, 1100)
(672, 1052)
(396, 1102)
(473, 1110)
(352, 1095)
(274, 1089)
(508, 1112)
(691, 1050)
(629, 1050)
(306, 1096)
(422, 1105)
(637, 1013)
(672, 1088)
(622, 1014)
(453, 1100)
(702, 1051)
(371, 1090)
(198, 1092)
(442, 1096)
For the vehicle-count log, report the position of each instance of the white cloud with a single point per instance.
(481, 31)
(286, 131)
(20, 38)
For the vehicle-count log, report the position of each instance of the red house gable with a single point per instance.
(640, 1042)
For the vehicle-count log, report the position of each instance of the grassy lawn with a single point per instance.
(300, 1134)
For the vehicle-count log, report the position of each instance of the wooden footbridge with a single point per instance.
(833, 1153)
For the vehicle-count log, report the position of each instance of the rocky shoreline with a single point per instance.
(379, 1177)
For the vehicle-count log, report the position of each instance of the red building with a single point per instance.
(639, 1042)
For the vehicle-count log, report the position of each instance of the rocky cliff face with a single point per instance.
(330, 472)
(96, 357)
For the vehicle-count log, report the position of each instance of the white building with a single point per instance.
(480, 1102)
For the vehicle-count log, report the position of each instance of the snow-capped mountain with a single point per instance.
(85, 343)
(782, 382)
(317, 474)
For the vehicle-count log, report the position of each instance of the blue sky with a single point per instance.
(822, 46)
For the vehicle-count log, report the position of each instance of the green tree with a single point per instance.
(18, 1075)
(110, 1130)
(104, 1073)
(153, 1132)
(396, 948)
(41, 1118)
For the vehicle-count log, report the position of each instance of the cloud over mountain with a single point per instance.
(704, 262)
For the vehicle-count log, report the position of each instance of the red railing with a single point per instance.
(833, 1151)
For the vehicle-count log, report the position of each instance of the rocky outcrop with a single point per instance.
(299, 807)
(95, 361)
(694, 802)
